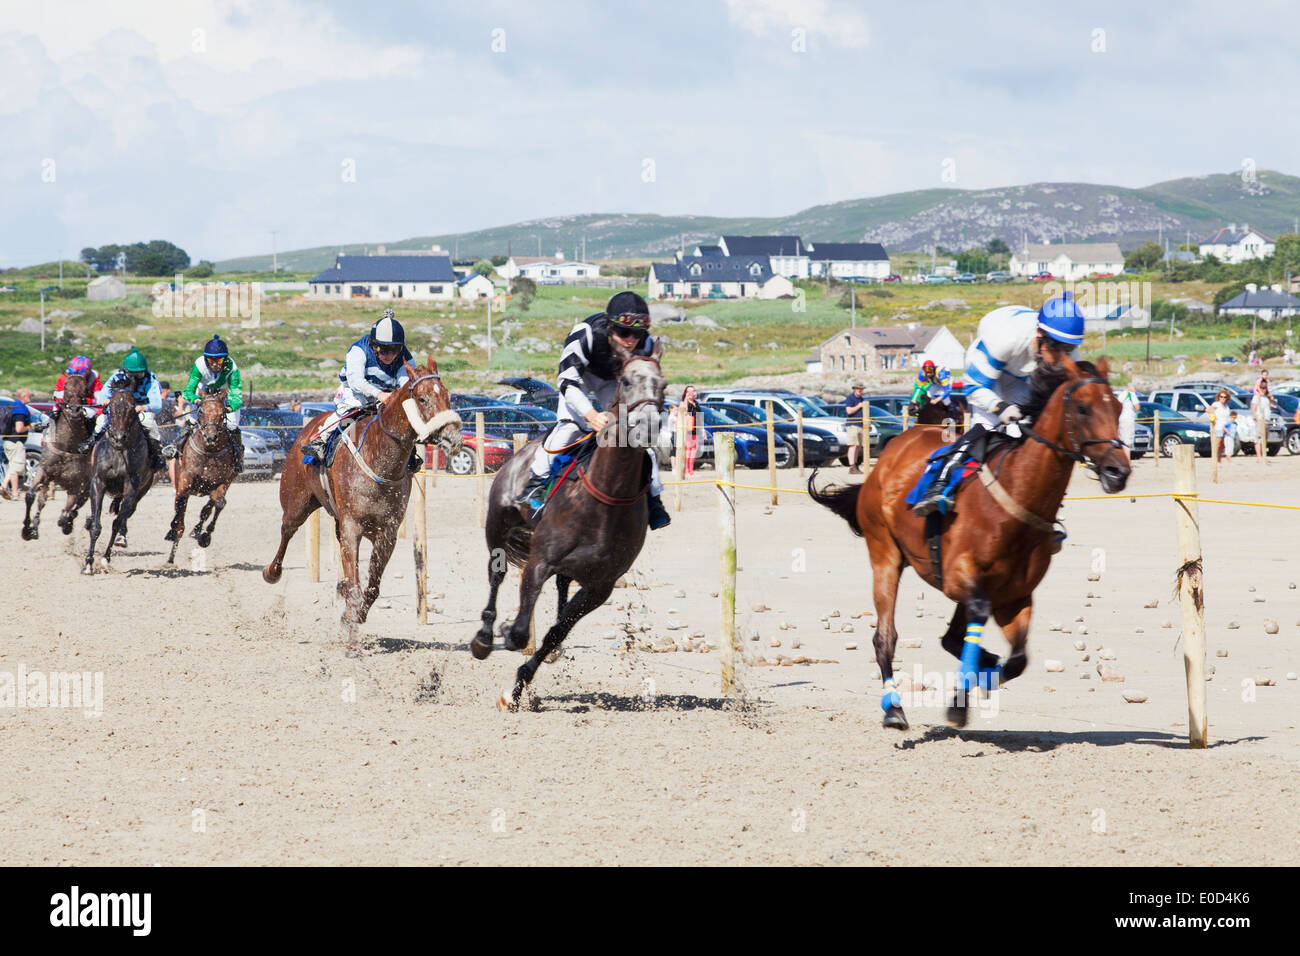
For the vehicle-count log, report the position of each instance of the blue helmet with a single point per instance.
(387, 331)
(1062, 319)
(215, 348)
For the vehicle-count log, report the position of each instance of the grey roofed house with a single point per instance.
(389, 269)
(1261, 301)
(846, 251)
(740, 246)
(708, 250)
(917, 338)
(713, 269)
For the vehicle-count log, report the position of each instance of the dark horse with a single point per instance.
(119, 466)
(365, 491)
(591, 529)
(938, 413)
(62, 466)
(999, 540)
(206, 467)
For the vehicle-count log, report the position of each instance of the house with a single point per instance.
(717, 277)
(1233, 245)
(900, 347)
(813, 363)
(788, 255)
(418, 277)
(1111, 317)
(847, 260)
(1068, 261)
(1267, 304)
(547, 268)
(106, 287)
(1192, 305)
(472, 285)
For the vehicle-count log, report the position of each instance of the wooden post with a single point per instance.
(965, 421)
(421, 545)
(907, 414)
(1191, 593)
(798, 423)
(313, 545)
(401, 528)
(1156, 438)
(866, 438)
(679, 459)
(771, 451)
(724, 460)
(478, 469)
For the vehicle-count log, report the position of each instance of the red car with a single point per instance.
(496, 452)
(892, 277)
(1043, 277)
(1102, 275)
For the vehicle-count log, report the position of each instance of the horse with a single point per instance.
(938, 413)
(206, 467)
(366, 488)
(62, 466)
(119, 465)
(591, 529)
(997, 543)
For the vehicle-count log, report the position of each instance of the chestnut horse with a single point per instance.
(999, 539)
(206, 467)
(119, 466)
(591, 529)
(365, 491)
(62, 466)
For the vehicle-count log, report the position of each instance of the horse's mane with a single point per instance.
(1046, 379)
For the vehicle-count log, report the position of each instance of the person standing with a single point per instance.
(1219, 418)
(1128, 406)
(689, 409)
(15, 420)
(1260, 406)
(853, 420)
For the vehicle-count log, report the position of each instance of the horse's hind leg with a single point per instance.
(562, 582)
(178, 523)
(536, 571)
(1014, 621)
(35, 494)
(584, 602)
(481, 644)
(218, 504)
(885, 575)
(379, 555)
(70, 509)
(977, 614)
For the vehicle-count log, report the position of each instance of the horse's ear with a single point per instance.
(1103, 368)
(657, 352)
(430, 364)
(410, 369)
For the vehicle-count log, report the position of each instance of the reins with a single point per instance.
(1075, 454)
(378, 416)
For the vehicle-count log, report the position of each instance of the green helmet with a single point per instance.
(135, 361)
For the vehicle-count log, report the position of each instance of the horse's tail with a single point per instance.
(518, 543)
(842, 499)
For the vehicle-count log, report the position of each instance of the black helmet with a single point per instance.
(387, 331)
(627, 310)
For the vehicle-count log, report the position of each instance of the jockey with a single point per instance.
(134, 376)
(80, 366)
(922, 392)
(1011, 343)
(373, 369)
(213, 371)
(587, 364)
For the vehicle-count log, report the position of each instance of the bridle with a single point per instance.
(641, 401)
(411, 386)
(1076, 452)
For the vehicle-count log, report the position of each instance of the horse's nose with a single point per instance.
(1115, 477)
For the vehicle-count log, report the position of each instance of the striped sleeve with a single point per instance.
(983, 369)
(573, 359)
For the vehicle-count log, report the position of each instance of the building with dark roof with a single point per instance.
(417, 277)
(1268, 304)
(1232, 244)
(717, 277)
(787, 254)
(847, 260)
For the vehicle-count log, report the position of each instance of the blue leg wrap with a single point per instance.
(970, 657)
(890, 697)
(990, 679)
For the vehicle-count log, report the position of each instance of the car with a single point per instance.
(785, 406)
(892, 277)
(284, 424)
(1175, 429)
(311, 409)
(1195, 405)
(505, 421)
(461, 400)
(820, 446)
(259, 460)
(964, 277)
(497, 450)
(935, 280)
(1101, 275)
(530, 391)
(1132, 272)
(1227, 360)
(1203, 385)
(751, 440)
(1042, 277)
(8, 288)
(1290, 405)
(998, 277)
(271, 440)
(1284, 388)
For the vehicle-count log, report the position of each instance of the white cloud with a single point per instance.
(838, 23)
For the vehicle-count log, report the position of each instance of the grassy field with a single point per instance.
(300, 344)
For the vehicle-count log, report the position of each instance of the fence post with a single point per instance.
(679, 459)
(1156, 438)
(771, 450)
(866, 438)
(907, 414)
(724, 460)
(478, 468)
(798, 422)
(1191, 593)
(421, 546)
(313, 546)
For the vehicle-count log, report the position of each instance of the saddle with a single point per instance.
(335, 437)
(564, 467)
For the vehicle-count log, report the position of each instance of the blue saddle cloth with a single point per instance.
(933, 465)
(332, 443)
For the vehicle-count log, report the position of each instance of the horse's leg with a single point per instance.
(178, 521)
(562, 582)
(379, 555)
(218, 504)
(885, 575)
(536, 571)
(349, 553)
(977, 614)
(125, 508)
(203, 517)
(295, 513)
(93, 522)
(1014, 621)
(70, 510)
(956, 635)
(584, 602)
(481, 644)
(35, 494)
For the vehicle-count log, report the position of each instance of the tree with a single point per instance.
(1286, 252)
(996, 247)
(158, 257)
(1144, 257)
(523, 289)
(499, 260)
(1229, 291)
(974, 260)
(201, 271)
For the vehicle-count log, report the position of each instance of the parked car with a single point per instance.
(461, 400)
(785, 404)
(935, 280)
(998, 277)
(1142, 436)
(271, 440)
(282, 423)
(1290, 405)
(820, 445)
(751, 440)
(964, 277)
(1195, 405)
(531, 391)
(1284, 388)
(259, 458)
(892, 277)
(1042, 277)
(504, 421)
(1175, 429)
(496, 452)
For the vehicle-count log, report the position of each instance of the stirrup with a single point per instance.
(532, 492)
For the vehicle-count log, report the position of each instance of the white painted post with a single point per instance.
(1191, 594)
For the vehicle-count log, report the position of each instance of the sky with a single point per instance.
(216, 123)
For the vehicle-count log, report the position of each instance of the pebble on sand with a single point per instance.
(1133, 698)
(1106, 654)
(1080, 646)
(1109, 672)
(912, 642)
(1221, 652)
(760, 607)
(1094, 577)
(1290, 675)
(1262, 681)
(1152, 603)
(846, 628)
(774, 643)
(1233, 625)
(1054, 667)
(1166, 624)
(850, 646)
(1270, 626)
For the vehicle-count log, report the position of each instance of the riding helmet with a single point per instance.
(135, 361)
(79, 365)
(927, 364)
(215, 348)
(1062, 319)
(627, 310)
(388, 331)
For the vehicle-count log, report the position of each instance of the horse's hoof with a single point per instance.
(895, 718)
(170, 535)
(269, 576)
(120, 542)
(88, 569)
(956, 716)
(65, 527)
(508, 701)
(29, 534)
(513, 642)
(204, 539)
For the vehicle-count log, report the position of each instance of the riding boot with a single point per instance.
(89, 443)
(237, 446)
(659, 517)
(173, 448)
(934, 497)
(156, 460)
(532, 493)
(416, 462)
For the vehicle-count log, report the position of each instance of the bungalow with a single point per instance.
(1233, 245)
(716, 277)
(547, 268)
(418, 277)
(787, 254)
(1068, 261)
(106, 287)
(847, 260)
(473, 285)
(1267, 304)
(1113, 317)
(902, 347)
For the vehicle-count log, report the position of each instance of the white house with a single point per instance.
(1267, 304)
(717, 277)
(472, 285)
(900, 347)
(847, 260)
(106, 287)
(418, 277)
(1068, 261)
(1113, 317)
(787, 255)
(1233, 245)
(547, 268)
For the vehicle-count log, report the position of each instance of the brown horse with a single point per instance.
(999, 540)
(119, 466)
(206, 467)
(591, 529)
(938, 413)
(62, 466)
(366, 491)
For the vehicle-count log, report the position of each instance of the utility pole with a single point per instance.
(853, 306)
(275, 264)
(60, 270)
(584, 248)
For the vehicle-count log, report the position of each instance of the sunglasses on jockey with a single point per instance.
(630, 323)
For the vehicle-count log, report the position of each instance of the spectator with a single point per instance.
(1219, 419)
(1261, 383)
(1260, 407)
(15, 420)
(853, 420)
(689, 409)
(1230, 436)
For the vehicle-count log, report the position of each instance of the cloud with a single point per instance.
(838, 23)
